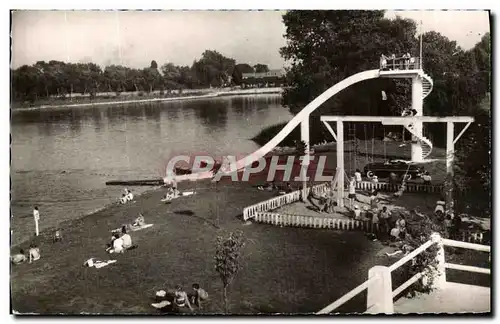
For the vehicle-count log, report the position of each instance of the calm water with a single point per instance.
(61, 158)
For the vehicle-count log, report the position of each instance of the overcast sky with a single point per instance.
(135, 38)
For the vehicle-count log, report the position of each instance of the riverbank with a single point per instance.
(155, 97)
(276, 276)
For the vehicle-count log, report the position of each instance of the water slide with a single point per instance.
(304, 115)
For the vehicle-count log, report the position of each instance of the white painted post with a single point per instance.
(340, 163)
(304, 136)
(417, 102)
(440, 279)
(379, 296)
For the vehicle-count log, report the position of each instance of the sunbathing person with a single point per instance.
(34, 253)
(199, 295)
(129, 195)
(181, 301)
(18, 258)
(123, 199)
(139, 221)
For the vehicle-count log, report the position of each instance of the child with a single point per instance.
(352, 191)
(199, 295)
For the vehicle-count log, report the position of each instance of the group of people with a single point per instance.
(121, 241)
(33, 255)
(391, 62)
(287, 188)
(182, 302)
(126, 197)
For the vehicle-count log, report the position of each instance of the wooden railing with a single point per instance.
(379, 284)
(276, 202)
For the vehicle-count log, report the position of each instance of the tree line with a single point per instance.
(61, 79)
(325, 47)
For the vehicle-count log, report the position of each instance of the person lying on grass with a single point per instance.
(181, 300)
(139, 221)
(199, 295)
(34, 253)
(18, 258)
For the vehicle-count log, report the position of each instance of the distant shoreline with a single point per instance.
(214, 94)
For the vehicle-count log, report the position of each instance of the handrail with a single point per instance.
(411, 255)
(344, 299)
(466, 268)
(407, 284)
(465, 245)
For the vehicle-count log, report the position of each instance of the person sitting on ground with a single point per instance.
(352, 191)
(18, 258)
(139, 221)
(117, 244)
(181, 300)
(123, 199)
(357, 176)
(357, 212)
(439, 210)
(57, 236)
(199, 295)
(426, 177)
(400, 228)
(34, 253)
(127, 240)
(130, 196)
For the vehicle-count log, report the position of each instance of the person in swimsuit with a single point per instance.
(181, 301)
(199, 295)
(34, 253)
(352, 192)
(18, 258)
(139, 221)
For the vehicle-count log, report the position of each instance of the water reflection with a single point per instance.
(138, 136)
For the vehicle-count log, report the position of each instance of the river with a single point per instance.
(61, 158)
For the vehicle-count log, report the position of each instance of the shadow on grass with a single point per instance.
(190, 213)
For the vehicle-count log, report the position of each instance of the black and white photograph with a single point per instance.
(250, 162)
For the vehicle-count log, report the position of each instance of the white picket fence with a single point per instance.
(315, 222)
(389, 187)
(276, 202)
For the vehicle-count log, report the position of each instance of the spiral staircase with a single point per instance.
(426, 143)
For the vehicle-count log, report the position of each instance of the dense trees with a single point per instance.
(324, 47)
(55, 78)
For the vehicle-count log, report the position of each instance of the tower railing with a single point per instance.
(400, 63)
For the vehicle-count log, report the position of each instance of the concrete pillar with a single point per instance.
(440, 279)
(340, 164)
(304, 136)
(417, 102)
(379, 296)
(450, 152)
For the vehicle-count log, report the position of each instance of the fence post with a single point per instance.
(379, 296)
(440, 279)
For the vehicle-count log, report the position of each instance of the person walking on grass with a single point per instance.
(36, 216)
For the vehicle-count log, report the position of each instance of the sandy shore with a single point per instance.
(257, 91)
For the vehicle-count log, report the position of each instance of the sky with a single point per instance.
(134, 38)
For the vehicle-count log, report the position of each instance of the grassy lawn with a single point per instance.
(284, 269)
